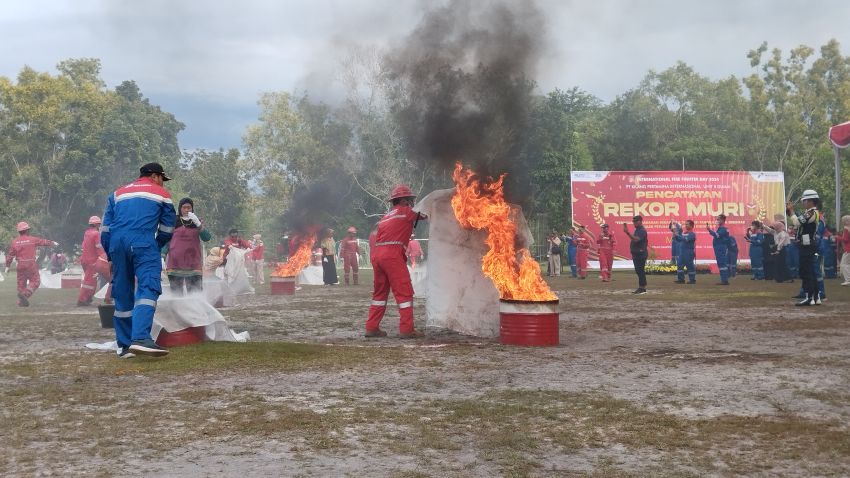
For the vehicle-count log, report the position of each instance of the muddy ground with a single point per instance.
(684, 381)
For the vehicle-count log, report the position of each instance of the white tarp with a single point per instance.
(459, 296)
(311, 275)
(175, 313)
(50, 281)
(419, 278)
(236, 273)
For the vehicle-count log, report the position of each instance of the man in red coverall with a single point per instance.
(390, 265)
(234, 240)
(606, 243)
(89, 259)
(349, 247)
(414, 250)
(23, 249)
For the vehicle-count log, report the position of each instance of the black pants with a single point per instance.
(807, 272)
(193, 283)
(640, 270)
(329, 270)
(781, 273)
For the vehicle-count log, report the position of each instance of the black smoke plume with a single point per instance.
(463, 85)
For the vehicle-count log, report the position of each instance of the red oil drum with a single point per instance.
(71, 280)
(523, 322)
(192, 335)
(283, 285)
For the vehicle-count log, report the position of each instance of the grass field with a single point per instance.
(684, 381)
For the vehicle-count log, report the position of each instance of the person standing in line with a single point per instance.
(687, 252)
(807, 225)
(827, 251)
(780, 263)
(554, 244)
(328, 245)
(386, 250)
(138, 222)
(23, 249)
(817, 259)
(185, 259)
(768, 248)
(639, 251)
(733, 256)
(793, 254)
(414, 251)
(606, 243)
(349, 249)
(675, 246)
(720, 243)
(844, 243)
(583, 241)
(572, 252)
(755, 237)
(91, 249)
(258, 262)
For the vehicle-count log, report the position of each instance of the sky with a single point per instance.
(207, 61)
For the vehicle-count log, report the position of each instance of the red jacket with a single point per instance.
(395, 227)
(238, 243)
(23, 248)
(91, 247)
(349, 246)
(259, 251)
(414, 249)
(606, 242)
(582, 241)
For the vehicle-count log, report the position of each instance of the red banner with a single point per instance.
(614, 197)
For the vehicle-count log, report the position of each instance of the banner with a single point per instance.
(614, 197)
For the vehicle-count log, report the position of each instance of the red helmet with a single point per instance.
(401, 191)
(352, 230)
(22, 226)
(94, 220)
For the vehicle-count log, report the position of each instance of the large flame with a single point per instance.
(299, 259)
(479, 205)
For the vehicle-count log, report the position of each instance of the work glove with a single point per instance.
(194, 218)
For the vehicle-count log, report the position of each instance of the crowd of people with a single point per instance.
(795, 245)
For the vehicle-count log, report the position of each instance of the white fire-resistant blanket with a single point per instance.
(459, 296)
(175, 313)
(235, 272)
(50, 281)
(419, 278)
(311, 275)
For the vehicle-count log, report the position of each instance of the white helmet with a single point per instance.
(809, 194)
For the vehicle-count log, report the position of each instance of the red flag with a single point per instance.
(840, 135)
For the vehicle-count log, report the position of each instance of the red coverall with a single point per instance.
(582, 249)
(414, 251)
(23, 248)
(606, 243)
(390, 267)
(88, 259)
(348, 249)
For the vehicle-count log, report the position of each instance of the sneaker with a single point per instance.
(806, 302)
(376, 333)
(818, 300)
(147, 347)
(845, 283)
(413, 334)
(639, 291)
(124, 353)
(23, 301)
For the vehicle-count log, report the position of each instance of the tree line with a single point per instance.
(67, 141)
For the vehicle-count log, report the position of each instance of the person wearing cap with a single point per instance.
(414, 251)
(184, 264)
(638, 247)
(687, 240)
(23, 249)
(807, 224)
(390, 265)
(89, 258)
(258, 253)
(138, 222)
(606, 243)
(720, 243)
(349, 249)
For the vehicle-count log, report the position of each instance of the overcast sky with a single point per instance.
(207, 61)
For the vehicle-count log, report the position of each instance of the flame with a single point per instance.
(299, 259)
(478, 205)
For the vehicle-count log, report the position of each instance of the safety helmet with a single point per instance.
(22, 226)
(401, 191)
(94, 220)
(352, 230)
(809, 194)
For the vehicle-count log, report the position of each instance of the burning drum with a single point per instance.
(283, 285)
(524, 322)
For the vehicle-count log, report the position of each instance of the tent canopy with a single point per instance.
(839, 135)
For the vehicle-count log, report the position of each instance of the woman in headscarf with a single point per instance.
(328, 258)
(185, 262)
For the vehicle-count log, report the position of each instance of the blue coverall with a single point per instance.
(733, 256)
(720, 243)
(792, 258)
(827, 251)
(687, 253)
(571, 255)
(138, 221)
(757, 255)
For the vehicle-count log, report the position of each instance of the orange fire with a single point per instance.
(299, 259)
(479, 205)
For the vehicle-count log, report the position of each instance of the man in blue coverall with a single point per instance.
(755, 237)
(720, 242)
(687, 252)
(138, 221)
